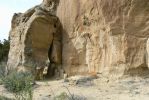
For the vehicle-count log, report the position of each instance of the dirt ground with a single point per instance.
(128, 88)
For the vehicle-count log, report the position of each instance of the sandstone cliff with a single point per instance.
(35, 38)
(106, 36)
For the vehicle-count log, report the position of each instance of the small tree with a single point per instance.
(4, 49)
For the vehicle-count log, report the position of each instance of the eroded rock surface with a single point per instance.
(99, 36)
(36, 38)
(106, 36)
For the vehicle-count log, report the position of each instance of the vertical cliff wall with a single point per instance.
(107, 36)
(104, 36)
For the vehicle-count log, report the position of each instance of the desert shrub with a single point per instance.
(65, 96)
(62, 96)
(20, 84)
(4, 98)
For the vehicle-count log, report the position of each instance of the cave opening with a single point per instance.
(51, 66)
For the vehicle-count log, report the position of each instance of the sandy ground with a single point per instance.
(128, 88)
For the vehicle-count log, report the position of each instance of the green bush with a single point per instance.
(20, 84)
(4, 98)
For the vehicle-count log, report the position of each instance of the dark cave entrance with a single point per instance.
(51, 65)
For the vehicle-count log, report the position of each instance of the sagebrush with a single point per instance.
(20, 84)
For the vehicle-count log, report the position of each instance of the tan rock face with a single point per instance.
(104, 36)
(35, 38)
(107, 36)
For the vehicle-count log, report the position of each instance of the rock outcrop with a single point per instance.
(36, 39)
(105, 36)
(99, 36)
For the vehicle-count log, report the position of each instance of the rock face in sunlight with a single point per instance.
(99, 36)
(106, 36)
(35, 39)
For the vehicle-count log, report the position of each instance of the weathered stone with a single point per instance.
(147, 55)
(106, 36)
(81, 80)
(35, 37)
(99, 36)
